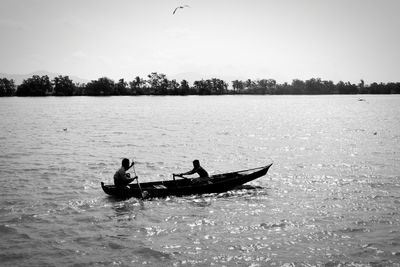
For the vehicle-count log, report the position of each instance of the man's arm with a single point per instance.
(128, 178)
(190, 172)
(133, 163)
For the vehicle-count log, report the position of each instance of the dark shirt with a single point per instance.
(120, 178)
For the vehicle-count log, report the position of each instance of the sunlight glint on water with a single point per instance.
(332, 196)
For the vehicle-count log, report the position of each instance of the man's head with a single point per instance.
(196, 163)
(125, 163)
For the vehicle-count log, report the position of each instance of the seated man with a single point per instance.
(121, 178)
(197, 169)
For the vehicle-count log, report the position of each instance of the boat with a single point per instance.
(180, 187)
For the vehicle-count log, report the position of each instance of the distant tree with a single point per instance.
(137, 86)
(317, 86)
(163, 90)
(249, 85)
(7, 87)
(328, 87)
(35, 86)
(380, 88)
(158, 83)
(346, 88)
(361, 86)
(197, 86)
(202, 87)
(173, 87)
(313, 86)
(217, 86)
(121, 88)
(265, 86)
(271, 86)
(393, 88)
(237, 86)
(351, 87)
(340, 87)
(283, 89)
(63, 86)
(80, 89)
(101, 87)
(184, 88)
(298, 87)
(261, 87)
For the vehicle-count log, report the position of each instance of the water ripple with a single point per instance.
(331, 198)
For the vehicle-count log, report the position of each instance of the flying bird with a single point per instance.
(178, 8)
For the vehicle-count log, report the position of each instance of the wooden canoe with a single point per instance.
(215, 184)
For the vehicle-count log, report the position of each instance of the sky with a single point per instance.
(334, 40)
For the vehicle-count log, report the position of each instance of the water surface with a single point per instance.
(331, 198)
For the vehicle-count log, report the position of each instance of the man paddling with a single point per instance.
(121, 178)
(197, 169)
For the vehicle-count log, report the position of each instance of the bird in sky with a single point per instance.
(178, 8)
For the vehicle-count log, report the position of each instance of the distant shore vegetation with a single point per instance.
(159, 84)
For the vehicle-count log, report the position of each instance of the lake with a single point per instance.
(331, 197)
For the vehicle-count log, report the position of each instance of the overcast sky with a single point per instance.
(335, 40)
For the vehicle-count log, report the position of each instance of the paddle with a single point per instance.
(137, 180)
(178, 175)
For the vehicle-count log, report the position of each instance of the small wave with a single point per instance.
(86, 219)
(152, 253)
(28, 218)
(84, 240)
(155, 231)
(202, 222)
(354, 230)
(118, 133)
(200, 201)
(5, 210)
(5, 229)
(113, 245)
(281, 224)
(244, 192)
(368, 252)
(248, 187)
(82, 205)
(363, 223)
(9, 257)
(9, 232)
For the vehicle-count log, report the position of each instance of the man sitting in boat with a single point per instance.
(121, 178)
(199, 170)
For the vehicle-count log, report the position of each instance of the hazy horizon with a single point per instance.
(282, 40)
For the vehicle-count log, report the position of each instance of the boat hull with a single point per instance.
(216, 184)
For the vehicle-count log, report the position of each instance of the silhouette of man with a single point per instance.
(197, 169)
(121, 178)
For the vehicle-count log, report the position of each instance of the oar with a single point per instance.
(137, 180)
(181, 176)
(177, 175)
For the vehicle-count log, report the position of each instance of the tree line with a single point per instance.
(159, 84)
